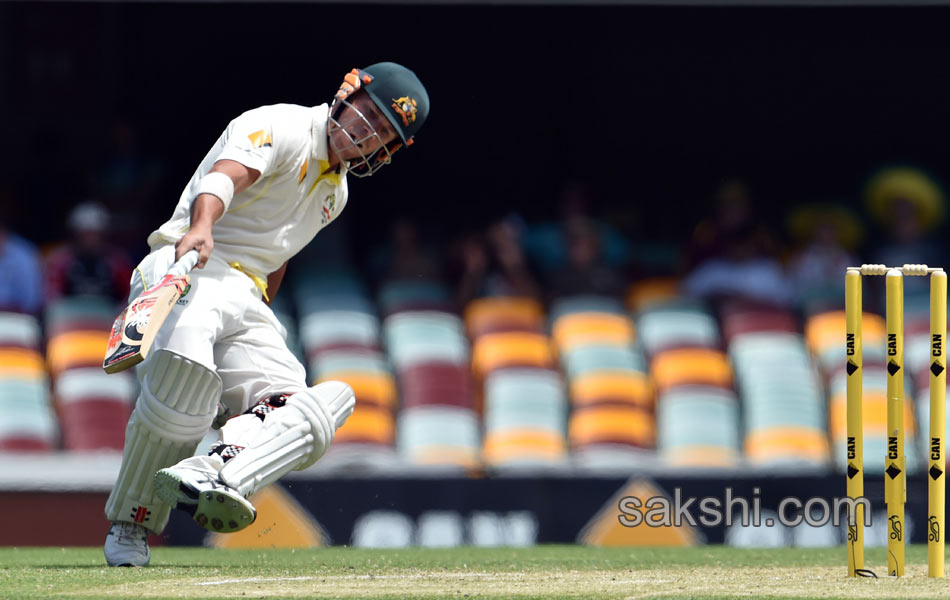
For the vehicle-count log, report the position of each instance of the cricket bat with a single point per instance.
(135, 328)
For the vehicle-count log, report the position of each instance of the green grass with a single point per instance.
(539, 572)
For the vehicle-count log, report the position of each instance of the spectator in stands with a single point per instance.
(587, 272)
(406, 256)
(826, 236)
(546, 243)
(128, 180)
(21, 274)
(88, 265)
(733, 217)
(909, 206)
(734, 255)
(495, 264)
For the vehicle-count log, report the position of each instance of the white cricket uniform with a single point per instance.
(223, 322)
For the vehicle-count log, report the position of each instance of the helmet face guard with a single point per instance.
(351, 130)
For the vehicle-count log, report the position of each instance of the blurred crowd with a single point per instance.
(737, 249)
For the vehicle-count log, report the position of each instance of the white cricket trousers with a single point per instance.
(223, 324)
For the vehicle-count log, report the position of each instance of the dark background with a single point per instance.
(651, 105)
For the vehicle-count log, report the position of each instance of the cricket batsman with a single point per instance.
(276, 176)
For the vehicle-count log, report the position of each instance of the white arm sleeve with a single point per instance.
(216, 184)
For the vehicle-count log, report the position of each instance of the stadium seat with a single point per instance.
(499, 314)
(646, 293)
(21, 363)
(19, 330)
(322, 289)
(787, 447)
(698, 426)
(568, 305)
(672, 327)
(94, 408)
(684, 366)
(436, 383)
(338, 329)
(736, 321)
(612, 424)
(76, 349)
(430, 353)
(494, 351)
(442, 436)
(525, 418)
(526, 448)
(79, 313)
(363, 361)
(376, 388)
(29, 423)
(369, 424)
(586, 359)
(415, 337)
(612, 387)
(403, 295)
(783, 401)
(585, 328)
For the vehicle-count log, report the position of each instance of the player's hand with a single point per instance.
(196, 239)
(352, 81)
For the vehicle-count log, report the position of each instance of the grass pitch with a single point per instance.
(539, 572)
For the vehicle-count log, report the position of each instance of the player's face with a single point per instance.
(359, 133)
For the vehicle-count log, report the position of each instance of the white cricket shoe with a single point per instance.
(127, 545)
(193, 486)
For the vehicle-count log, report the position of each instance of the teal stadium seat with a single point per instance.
(79, 313)
(365, 361)
(412, 295)
(415, 337)
(663, 328)
(585, 359)
(19, 331)
(439, 436)
(525, 418)
(330, 329)
(782, 399)
(698, 426)
(29, 423)
(566, 305)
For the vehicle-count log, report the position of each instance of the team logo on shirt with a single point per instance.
(261, 138)
(329, 206)
(406, 108)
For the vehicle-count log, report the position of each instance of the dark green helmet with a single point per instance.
(400, 96)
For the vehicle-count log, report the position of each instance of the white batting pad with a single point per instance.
(177, 403)
(292, 437)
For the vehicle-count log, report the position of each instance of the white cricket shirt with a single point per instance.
(290, 202)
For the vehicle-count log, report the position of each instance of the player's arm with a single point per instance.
(273, 282)
(225, 179)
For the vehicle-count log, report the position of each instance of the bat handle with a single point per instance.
(185, 264)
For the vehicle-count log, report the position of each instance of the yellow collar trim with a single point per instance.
(333, 177)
